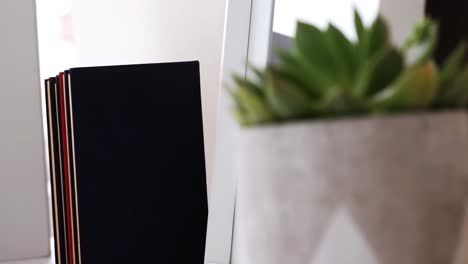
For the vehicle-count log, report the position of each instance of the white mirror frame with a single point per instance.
(248, 29)
(245, 20)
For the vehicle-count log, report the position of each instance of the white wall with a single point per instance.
(24, 231)
(402, 15)
(320, 13)
(144, 31)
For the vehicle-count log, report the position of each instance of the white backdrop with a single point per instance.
(144, 31)
(320, 13)
(24, 225)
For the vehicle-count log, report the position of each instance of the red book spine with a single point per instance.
(66, 164)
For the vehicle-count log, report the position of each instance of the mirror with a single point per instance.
(401, 15)
(253, 30)
(319, 13)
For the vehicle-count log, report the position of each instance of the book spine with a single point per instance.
(68, 187)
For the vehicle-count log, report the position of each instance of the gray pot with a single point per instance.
(378, 190)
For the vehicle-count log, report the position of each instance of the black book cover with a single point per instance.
(49, 98)
(53, 121)
(66, 156)
(140, 182)
(71, 163)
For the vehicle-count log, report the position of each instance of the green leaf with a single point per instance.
(254, 107)
(378, 37)
(238, 108)
(421, 43)
(290, 66)
(374, 41)
(359, 25)
(456, 90)
(241, 117)
(233, 94)
(415, 89)
(461, 85)
(450, 70)
(344, 54)
(252, 86)
(304, 74)
(379, 72)
(328, 75)
(313, 48)
(453, 63)
(339, 102)
(259, 74)
(287, 100)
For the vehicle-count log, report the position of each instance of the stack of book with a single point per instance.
(127, 164)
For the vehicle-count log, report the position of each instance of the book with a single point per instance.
(133, 164)
(56, 171)
(52, 165)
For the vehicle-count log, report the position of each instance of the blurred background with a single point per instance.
(74, 33)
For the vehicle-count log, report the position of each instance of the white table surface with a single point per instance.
(30, 261)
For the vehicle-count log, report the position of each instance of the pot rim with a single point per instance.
(353, 119)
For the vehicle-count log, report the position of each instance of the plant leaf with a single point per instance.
(451, 68)
(286, 100)
(421, 43)
(259, 74)
(374, 40)
(359, 25)
(453, 63)
(378, 37)
(461, 84)
(289, 66)
(313, 48)
(303, 74)
(344, 54)
(254, 107)
(379, 72)
(241, 117)
(341, 102)
(415, 89)
(252, 86)
(455, 91)
(238, 108)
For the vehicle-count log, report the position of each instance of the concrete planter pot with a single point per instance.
(378, 190)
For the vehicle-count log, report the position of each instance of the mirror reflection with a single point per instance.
(318, 13)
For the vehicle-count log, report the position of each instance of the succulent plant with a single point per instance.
(326, 74)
